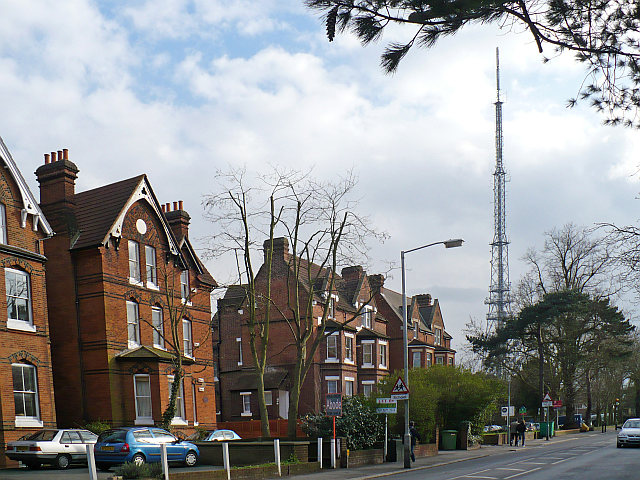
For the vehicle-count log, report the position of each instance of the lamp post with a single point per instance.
(407, 436)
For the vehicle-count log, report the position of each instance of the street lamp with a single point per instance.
(407, 436)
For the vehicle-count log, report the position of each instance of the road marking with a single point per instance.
(523, 473)
(516, 469)
(560, 461)
(480, 476)
(535, 463)
(472, 473)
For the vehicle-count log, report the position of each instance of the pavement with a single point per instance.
(444, 457)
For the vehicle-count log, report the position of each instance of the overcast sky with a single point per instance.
(177, 89)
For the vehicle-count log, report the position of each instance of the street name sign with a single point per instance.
(385, 400)
(334, 404)
(389, 405)
(400, 391)
(557, 404)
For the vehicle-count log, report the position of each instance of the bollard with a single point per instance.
(333, 453)
(320, 452)
(91, 462)
(225, 459)
(276, 447)
(164, 458)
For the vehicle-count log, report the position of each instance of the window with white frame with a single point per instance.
(383, 355)
(332, 347)
(429, 361)
(142, 391)
(451, 361)
(3, 224)
(367, 388)
(348, 386)
(268, 397)
(158, 327)
(184, 284)
(25, 394)
(18, 288)
(331, 307)
(195, 404)
(246, 404)
(438, 339)
(179, 416)
(151, 270)
(417, 359)
(366, 317)
(133, 324)
(134, 262)
(332, 385)
(348, 347)
(367, 353)
(239, 342)
(439, 360)
(187, 337)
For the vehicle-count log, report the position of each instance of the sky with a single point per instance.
(181, 89)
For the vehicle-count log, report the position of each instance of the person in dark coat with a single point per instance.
(513, 432)
(414, 436)
(520, 429)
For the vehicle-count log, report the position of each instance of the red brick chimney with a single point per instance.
(353, 272)
(280, 248)
(57, 178)
(178, 219)
(423, 300)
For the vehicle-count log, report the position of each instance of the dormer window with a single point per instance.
(438, 339)
(331, 308)
(184, 285)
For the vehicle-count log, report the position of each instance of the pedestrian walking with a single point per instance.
(414, 436)
(520, 429)
(513, 434)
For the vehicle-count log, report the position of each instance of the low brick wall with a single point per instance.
(495, 439)
(357, 458)
(425, 450)
(247, 473)
(251, 453)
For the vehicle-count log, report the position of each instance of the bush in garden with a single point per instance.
(132, 471)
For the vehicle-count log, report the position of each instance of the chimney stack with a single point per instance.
(376, 282)
(423, 300)
(57, 178)
(280, 248)
(178, 219)
(353, 272)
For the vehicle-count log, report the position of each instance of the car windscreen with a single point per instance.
(632, 424)
(113, 436)
(43, 436)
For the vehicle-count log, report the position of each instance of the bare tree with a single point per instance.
(324, 232)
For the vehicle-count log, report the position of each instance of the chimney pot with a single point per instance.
(168, 207)
(180, 205)
(47, 158)
(163, 208)
(53, 157)
(59, 155)
(65, 153)
(175, 205)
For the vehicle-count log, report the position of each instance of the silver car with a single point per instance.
(630, 433)
(56, 447)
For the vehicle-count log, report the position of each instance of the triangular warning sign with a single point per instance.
(547, 398)
(399, 388)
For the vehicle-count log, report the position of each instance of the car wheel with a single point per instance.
(63, 462)
(190, 458)
(103, 467)
(138, 459)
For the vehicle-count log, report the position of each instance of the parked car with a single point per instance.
(141, 445)
(492, 428)
(629, 434)
(52, 446)
(220, 435)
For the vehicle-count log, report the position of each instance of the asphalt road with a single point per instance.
(591, 456)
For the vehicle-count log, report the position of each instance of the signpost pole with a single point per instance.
(386, 419)
(546, 416)
(509, 412)
(335, 446)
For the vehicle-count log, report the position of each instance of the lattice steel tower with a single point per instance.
(499, 300)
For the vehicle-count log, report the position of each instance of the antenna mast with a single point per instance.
(499, 300)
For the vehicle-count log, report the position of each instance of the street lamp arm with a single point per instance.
(447, 243)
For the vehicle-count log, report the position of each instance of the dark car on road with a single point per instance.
(142, 445)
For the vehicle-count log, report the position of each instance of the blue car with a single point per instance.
(141, 445)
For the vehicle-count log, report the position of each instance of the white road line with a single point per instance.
(536, 463)
(523, 473)
(515, 469)
(480, 476)
(560, 461)
(472, 473)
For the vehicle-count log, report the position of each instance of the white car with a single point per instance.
(220, 436)
(56, 447)
(630, 433)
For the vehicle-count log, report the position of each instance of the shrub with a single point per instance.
(146, 470)
(359, 423)
(97, 426)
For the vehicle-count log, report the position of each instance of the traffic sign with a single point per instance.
(547, 404)
(557, 404)
(385, 400)
(400, 387)
(389, 409)
(508, 411)
(522, 410)
(400, 390)
(547, 398)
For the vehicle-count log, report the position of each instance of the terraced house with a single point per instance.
(121, 268)
(26, 399)
(352, 358)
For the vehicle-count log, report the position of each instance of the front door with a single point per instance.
(283, 404)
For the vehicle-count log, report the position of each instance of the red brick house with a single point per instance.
(429, 343)
(352, 358)
(120, 264)
(24, 329)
